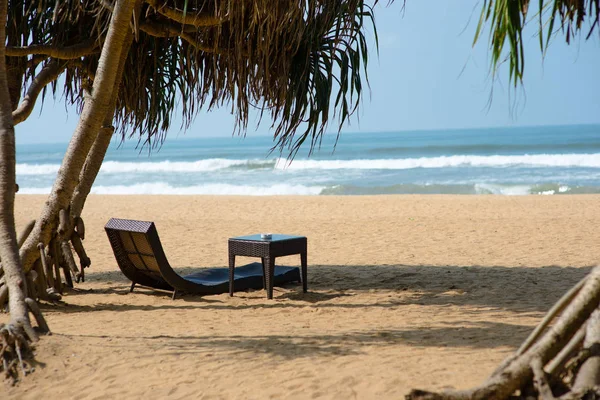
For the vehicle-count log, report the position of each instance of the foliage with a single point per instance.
(299, 61)
(508, 19)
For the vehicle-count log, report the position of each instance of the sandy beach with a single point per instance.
(405, 292)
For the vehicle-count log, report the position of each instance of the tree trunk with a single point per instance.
(20, 325)
(94, 111)
(9, 251)
(96, 155)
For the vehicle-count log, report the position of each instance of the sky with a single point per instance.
(427, 76)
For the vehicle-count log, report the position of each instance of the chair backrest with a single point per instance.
(138, 251)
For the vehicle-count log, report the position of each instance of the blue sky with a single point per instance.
(427, 76)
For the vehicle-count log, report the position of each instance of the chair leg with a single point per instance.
(174, 295)
(132, 286)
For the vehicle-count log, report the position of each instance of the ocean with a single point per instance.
(548, 160)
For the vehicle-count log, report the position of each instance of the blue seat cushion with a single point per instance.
(249, 276)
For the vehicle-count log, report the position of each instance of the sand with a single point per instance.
(405, 292)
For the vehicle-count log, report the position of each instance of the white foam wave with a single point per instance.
(540, 160)
(214, 164)
(516, 190)
(211, 164)
(118, 167)
(25, 190)
(37, 169)
(211, 189)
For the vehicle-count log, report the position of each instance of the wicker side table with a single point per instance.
(267, 250)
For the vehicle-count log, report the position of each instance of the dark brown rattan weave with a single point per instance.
(267, 250)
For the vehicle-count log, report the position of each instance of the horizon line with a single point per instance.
(182, 136)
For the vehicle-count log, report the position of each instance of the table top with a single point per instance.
(275, 237)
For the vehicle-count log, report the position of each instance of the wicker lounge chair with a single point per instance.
(140, 256)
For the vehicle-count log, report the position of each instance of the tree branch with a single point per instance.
(197, 20)
(588, 376)
(518, 372)
(49, 73)
(168, 29)
(62, 53)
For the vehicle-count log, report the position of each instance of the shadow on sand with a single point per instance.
(476, 336)
(517, 289)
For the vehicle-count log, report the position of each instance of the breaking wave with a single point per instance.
(538, 160)
(215, 164)
(162, 188)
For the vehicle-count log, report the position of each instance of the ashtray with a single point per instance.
(266, 236)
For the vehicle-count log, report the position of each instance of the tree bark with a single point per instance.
(48, 74)
(588, 376)
(9, 252)
(502, 384)
(96, 155)
(17, 334)
(61, 53)
(92, 117)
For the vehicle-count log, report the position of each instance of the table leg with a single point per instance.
(304, 263)
(231, 272)
(270, 275)
(264, 273)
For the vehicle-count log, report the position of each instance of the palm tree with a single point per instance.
(299, 62)
(127, 63)
(14, 277)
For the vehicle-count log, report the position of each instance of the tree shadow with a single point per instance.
(479, 335)
(517, 289)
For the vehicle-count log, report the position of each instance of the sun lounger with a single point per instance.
(140, 256)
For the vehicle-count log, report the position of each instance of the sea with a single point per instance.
(544, 160)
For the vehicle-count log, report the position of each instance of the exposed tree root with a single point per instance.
(46, 265)
(588, 375)
(41, 282)
(16, 351)
(44, 280)
(63, 221)
(37, 313)
(590, 394)
(80, 250)
(550, 363)
(25, 233)
(67, 256)
(57, 261)
(3, 296)
(540, 382)
(556, 309)
(80, 227)
(557, 365)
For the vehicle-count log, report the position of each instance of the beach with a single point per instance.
(404, 291)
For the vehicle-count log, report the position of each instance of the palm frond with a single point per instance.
(507, 19)
(300, 62)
